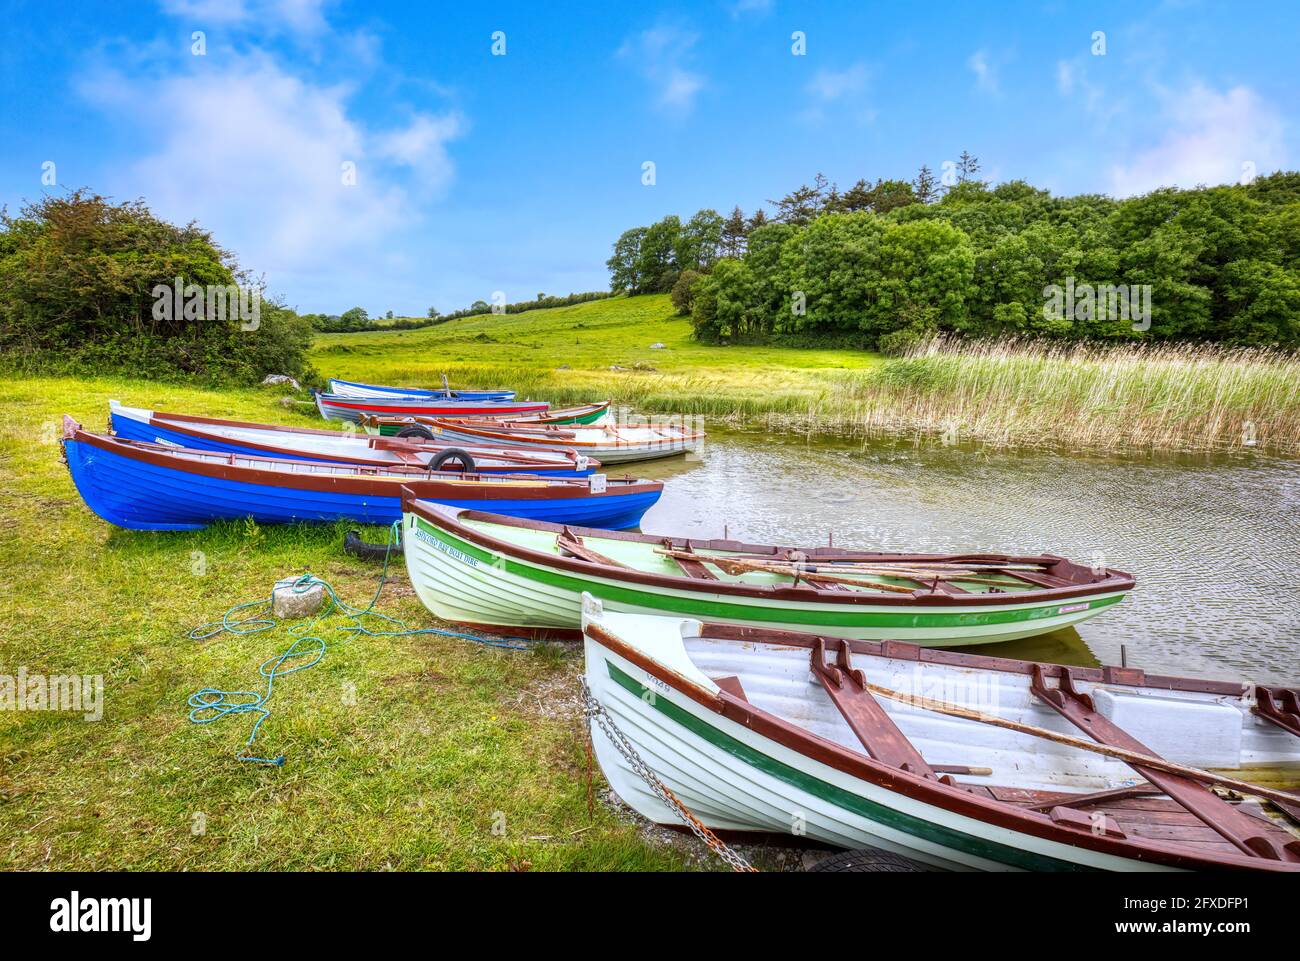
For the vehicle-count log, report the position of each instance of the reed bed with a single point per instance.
(1002, 393)
(1020, 393)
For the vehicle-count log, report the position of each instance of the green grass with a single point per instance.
(443, 733)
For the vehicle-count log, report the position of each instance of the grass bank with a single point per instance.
(1012, 394)
(407, 752)
(569, 354)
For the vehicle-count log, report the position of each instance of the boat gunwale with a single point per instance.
(952, 798)
(1116, 581)
(462, 487)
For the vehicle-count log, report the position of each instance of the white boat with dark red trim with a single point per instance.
(529, 576)
(608, 443)
(953, 760)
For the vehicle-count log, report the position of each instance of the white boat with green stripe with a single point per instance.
(495, 572)
(955, 760)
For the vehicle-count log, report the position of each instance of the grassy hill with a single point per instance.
(565, 354)
(1062, 394)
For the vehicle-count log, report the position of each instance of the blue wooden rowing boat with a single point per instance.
(351, 388)
(143, 486)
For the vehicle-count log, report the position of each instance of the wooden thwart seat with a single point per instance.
(864, 714)
(1243, 831)
(1281, 705)
(570, 543)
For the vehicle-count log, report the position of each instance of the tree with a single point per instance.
(625, 264)
(758, 220)
(683, 295)
(433, 313)
(967, 167)
(734, 232)
(925, 187)
(657, 260)
(880, 197)
(90, 285)
(355, 319)
(803, 204)
(699, 241)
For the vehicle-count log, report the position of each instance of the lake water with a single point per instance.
(1214, 542)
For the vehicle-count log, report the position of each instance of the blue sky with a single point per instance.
(478, 173)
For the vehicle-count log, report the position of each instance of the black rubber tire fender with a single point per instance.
(354, 545)
(415, 430)
(450, 454)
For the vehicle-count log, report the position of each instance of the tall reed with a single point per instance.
(1036, 393)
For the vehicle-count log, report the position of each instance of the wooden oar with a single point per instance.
(974, 567)
(1123, 754)
(736, 566)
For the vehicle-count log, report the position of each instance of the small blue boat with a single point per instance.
(351, 388)
(142, 486)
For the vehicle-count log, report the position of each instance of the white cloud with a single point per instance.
(297, 16)
(1207, 138)
(1065, 77)
(986, 73)
(422, 146)
(255, 154)
(660, 54)
(841, 90)
(829, 85)
(1074, 79)
(760, 7)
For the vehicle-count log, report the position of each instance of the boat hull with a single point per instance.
(146, 493)
(462, 581)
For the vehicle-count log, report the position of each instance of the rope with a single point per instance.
(212, 704)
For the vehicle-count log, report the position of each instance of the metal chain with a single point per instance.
(596, 712)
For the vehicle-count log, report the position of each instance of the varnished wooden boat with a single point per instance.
(966, 763)
(474, 568)
(332, 446)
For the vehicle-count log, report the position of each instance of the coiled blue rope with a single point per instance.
(211, 704)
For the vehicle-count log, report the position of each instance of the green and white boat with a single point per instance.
(958, 761)
(529, 576)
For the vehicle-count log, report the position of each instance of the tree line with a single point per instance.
(882, 264)
(356, 319)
